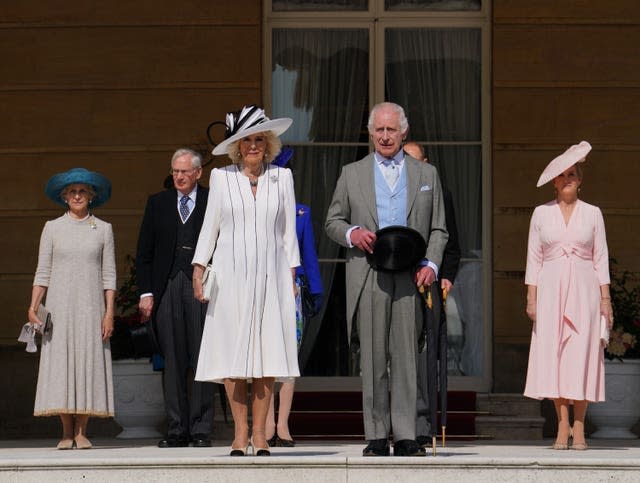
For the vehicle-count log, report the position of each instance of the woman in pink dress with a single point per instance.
(567, 280)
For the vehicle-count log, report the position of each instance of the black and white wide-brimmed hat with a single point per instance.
(249, 120)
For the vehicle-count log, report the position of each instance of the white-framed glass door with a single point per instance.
(325, 70)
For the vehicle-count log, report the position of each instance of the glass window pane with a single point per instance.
(432, 5)
(465, 328)
(435, 74)
(460, 169)
(324, 349)
(318, 5)
(320, 80)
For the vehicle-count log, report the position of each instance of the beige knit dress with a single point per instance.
(76, 261)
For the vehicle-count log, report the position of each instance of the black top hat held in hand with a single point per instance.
(397, 248)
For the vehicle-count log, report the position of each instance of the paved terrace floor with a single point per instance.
(118, 460)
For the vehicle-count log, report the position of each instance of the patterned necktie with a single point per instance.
(391, 172)
(184, 208)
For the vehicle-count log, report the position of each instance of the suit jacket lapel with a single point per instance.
(201, 202)
(413, 181)
(367, 186)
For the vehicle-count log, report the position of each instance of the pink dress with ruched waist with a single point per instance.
(567, 263)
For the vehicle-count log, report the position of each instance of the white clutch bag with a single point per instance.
(604, 331)
(208, 278)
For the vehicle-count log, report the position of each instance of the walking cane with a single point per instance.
(442, 335)
(432, 361)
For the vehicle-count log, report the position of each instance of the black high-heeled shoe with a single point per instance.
(285, 443)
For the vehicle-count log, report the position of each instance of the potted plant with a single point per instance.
(138, 398)
(615, 417)
(623, 343)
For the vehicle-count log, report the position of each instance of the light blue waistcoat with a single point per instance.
(391, 205)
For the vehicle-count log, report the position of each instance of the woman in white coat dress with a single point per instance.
(249, 234)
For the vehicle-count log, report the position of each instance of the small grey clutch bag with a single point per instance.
(28, 331)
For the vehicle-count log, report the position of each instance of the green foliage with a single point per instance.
(625, 300)
(127, 297)
(127, 308)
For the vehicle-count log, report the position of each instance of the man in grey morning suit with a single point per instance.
(168, 236)
(383, 308)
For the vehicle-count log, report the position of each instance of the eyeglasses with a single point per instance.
(178, 172)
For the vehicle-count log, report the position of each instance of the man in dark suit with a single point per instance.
(387, 188)
(448, 271)
(168, 236)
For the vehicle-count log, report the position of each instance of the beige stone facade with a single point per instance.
(117, 88)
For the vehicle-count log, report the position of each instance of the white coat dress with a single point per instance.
(250, 327)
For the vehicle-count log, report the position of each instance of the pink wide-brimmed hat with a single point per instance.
(575, 154)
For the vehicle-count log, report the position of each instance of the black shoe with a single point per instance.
(424, 441)
(201, 441)
(174, 441)
(377, 447)
(408, 447)
(273, 442)
(284, 443)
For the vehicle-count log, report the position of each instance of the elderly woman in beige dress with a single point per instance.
(76, 272)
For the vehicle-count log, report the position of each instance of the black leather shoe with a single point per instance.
(201, 441)
(377, 447)
(423, 440)
(408, 447)
(173, 441)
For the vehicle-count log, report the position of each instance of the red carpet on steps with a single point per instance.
(338, 415)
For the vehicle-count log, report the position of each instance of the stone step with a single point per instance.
(509, 417)
(508, 404)
(510, 428)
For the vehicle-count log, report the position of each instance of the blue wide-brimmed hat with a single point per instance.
(100, 184)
